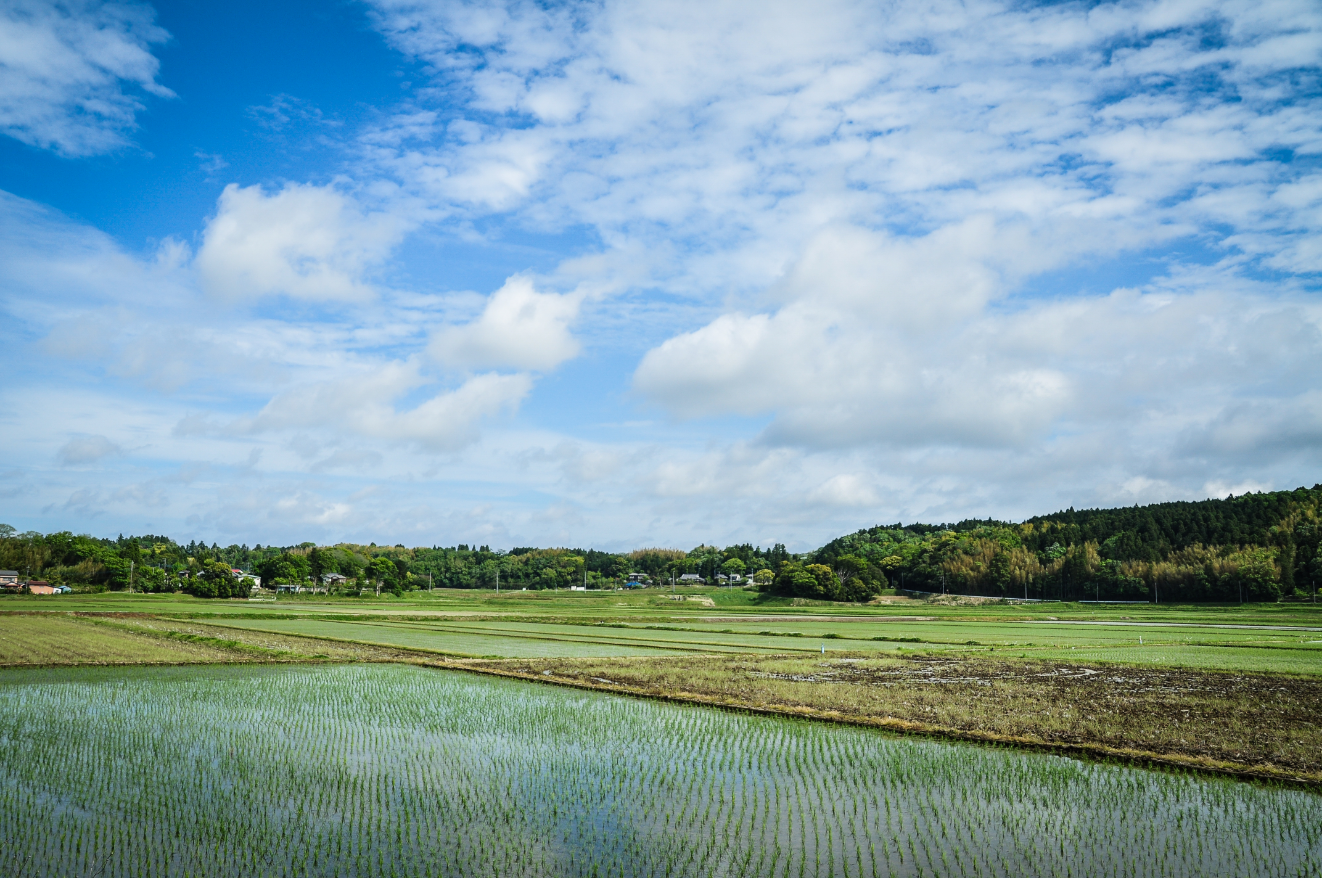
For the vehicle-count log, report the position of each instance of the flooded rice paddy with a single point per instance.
(380, 770)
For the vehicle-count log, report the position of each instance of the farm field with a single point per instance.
(63, 640)
(721, 605)
(1190, 646)
(512, 638)
(705, 655)
(1241, 722)
(1256, 725)
(444, 641)
(1257, 638)
(394, 770)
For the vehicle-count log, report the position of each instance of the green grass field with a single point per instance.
(1268, 638)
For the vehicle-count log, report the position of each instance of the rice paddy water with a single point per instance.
(379, 770)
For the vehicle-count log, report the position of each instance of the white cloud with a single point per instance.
(69, 72)
(82, 450)
(865, 254)
(864, 355)
(365, 405)
(519, 328)
(739, 127)
(845, 489)
(858, 196)
(303, 241)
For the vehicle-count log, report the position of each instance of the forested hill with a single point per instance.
(1253, 547)
(1151, 533)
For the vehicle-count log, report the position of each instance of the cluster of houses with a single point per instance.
(10, 582)
(642, 580)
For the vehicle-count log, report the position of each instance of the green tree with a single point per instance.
(317, 565)
(734, 568)
(382, 571)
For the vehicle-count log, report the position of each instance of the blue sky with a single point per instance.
(621, 274)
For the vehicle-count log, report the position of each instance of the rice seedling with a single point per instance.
(386, 770)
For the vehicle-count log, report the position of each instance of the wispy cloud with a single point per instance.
(71, 73)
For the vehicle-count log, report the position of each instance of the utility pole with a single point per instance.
(130, 577)
(497, 582)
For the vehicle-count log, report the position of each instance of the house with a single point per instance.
(690, 578)
(41, 586)
(334, 578)
(8, 579)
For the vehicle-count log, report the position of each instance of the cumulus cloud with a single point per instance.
(71, 73)
(888, 370)
(519, 328)
(302, 241)
(882, 340)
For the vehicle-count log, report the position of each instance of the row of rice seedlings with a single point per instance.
(393, 771)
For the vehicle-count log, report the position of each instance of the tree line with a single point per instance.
(1255, 547)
